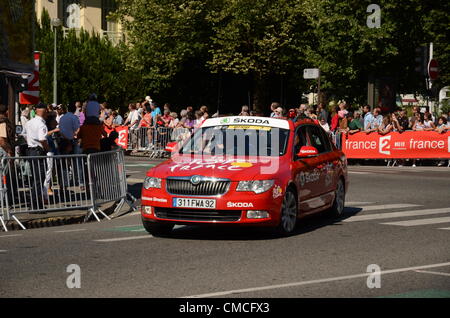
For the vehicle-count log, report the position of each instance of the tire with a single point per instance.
(158, 229)
(337, 209)
(288, 217)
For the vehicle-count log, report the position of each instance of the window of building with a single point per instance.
(107, 7)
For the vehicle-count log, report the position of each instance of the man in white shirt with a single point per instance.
(36, 136)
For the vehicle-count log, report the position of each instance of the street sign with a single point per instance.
(311, 73)
(433, 69)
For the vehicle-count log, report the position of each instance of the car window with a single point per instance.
(326, 139)
(318, 139)
(300, 139)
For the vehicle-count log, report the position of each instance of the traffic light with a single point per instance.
(421, 60)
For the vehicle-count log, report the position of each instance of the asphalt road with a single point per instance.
(396, 218)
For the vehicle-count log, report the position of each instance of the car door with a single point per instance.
(324, 165)
(303, 169)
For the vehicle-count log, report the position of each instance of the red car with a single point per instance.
(246, 170)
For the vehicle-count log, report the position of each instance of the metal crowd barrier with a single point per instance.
(154, 140)
(44, 184)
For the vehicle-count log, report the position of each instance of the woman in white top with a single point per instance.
(428, 122)
(419, 124)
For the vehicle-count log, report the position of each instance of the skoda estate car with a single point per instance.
(246, 171)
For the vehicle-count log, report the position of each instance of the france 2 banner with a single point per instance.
(405, 145)
(31, 95)
(122, 141)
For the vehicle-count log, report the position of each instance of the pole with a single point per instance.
(55, 84)
(318, 90)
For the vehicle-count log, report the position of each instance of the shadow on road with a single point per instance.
(249, 233)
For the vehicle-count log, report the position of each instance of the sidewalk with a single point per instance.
(33, 220)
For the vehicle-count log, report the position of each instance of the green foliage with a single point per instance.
(86, 63)
(178, 49)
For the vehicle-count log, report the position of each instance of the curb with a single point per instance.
(56, 221)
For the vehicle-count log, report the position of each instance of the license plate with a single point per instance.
(194, 203)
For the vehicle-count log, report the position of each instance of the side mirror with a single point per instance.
(307, 151)
(172, 146)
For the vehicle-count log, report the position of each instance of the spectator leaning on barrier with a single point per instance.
(174, 122)
(443, 125)
(403, 120)
(428, 121)
(415, 116)
(374, 121)
(353, 124)
(419, 124)
(6, 133)
(166, 118)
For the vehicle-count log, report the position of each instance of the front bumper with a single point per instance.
(231, 208)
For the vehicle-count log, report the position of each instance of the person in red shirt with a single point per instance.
(166, 118)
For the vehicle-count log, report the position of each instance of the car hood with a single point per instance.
(233, 168)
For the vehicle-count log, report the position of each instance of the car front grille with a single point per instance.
(204, 188)
(198, 214)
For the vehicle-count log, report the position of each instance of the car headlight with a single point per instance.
(257, 186)
(151, 182)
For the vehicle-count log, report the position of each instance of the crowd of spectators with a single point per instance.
(345, 120)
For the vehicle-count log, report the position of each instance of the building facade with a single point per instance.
(91, 15)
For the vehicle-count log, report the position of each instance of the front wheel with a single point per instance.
(288, 219)
(337, 209)
(157, 229)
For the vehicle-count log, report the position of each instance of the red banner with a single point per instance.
(31, 95)
(405, 145)
(122, 140)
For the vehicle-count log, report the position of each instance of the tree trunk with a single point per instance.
(260, 100)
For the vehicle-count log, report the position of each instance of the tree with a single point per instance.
(86, 64)
(256, 38)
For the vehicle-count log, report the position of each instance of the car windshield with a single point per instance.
(237, 140)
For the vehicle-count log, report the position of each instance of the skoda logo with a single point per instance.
(196, 180)
(225, 121)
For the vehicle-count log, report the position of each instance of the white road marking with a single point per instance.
(316, 281)
(420, 222)
(444, 228)
(359, 172)
(132, 214)
(388, 206)
(10, 235)
(138, 230)
(117, 239)
(3, 251)
(135, 180)
(130, 225)
(434, 273)
(357, 203)
(395, 214)
(68, 231)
